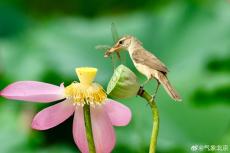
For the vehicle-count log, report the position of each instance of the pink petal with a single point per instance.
(119, 114)
(103, 132)
(79, 134)
(53, 115)
(33, 91)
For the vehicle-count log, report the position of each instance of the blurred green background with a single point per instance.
(45, 40)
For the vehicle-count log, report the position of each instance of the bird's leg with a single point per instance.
(145, 83)
(155, 92)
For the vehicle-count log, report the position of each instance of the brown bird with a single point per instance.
(146, 63)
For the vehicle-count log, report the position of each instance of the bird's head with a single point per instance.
(122, 43)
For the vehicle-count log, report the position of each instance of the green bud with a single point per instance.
(123, 83)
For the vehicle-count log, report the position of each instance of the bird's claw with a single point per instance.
(153, 96)
(140, 91)
(142, 86)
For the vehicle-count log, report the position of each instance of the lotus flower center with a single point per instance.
(85, 92)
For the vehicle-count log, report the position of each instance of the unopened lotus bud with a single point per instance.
(123, 83)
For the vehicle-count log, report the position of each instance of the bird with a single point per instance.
(146, 63)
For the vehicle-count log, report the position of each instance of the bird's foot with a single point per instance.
(142, 86)
(141, 91)
(154, 96)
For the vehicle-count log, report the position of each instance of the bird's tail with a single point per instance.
(168, 87)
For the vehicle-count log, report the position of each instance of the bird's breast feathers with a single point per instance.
(145, 70)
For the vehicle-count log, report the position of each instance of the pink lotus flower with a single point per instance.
(105, 113)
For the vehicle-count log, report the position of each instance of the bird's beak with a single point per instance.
(116, 48)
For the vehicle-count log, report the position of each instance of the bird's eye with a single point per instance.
(120, 42)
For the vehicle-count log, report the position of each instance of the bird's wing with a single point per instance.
(148, 59)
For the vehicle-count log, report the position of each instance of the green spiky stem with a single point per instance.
(88, 128)
(153, 142)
